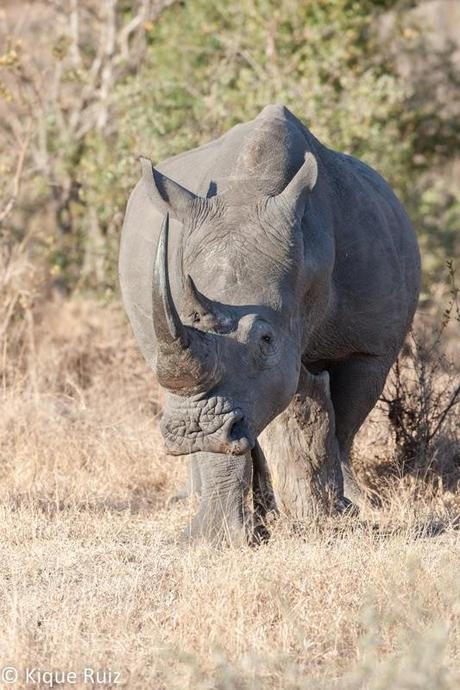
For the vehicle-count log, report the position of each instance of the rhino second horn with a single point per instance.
(294, 196)
(195, 301)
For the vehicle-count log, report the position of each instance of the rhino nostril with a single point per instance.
(237, 428)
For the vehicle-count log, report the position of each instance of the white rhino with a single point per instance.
(279, 302)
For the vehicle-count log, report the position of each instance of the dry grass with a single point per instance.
(93, 575)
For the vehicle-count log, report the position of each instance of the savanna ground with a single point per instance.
(93, 574)
(92, 571)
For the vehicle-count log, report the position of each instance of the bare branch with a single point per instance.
(454, 400)
(131, 27)
(75, 31)
(107, 70)
(7, 210)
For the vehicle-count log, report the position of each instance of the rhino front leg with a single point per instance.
(303, 454)
(224, 485)
(222, 482)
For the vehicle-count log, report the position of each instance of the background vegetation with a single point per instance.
(91, 570)
(102, 82)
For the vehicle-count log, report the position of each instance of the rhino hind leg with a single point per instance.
(265, 509)
(356, 385)
(303, 454)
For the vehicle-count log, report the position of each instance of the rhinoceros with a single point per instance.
(270, 282)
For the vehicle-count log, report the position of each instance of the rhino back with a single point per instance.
(376, 275)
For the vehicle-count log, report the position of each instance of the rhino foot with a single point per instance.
(346, 507)
(353, 494)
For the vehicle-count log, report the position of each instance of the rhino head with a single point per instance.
(229, 354)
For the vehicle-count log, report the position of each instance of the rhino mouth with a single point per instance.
(213, 425)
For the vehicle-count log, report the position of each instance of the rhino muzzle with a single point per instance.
(212, 425)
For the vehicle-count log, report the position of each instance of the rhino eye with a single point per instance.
(266, 349)
(266, 344)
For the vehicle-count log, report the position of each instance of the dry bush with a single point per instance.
(411, 440)
(423, 395)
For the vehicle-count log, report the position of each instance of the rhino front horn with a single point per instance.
(166, 321)
(186, 359)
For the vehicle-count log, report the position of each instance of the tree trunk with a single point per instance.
(302, 452)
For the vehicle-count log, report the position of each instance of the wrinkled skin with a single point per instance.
(230, 416)
(280, 252)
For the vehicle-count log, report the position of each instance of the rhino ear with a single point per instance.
(165, 194)
(294, 196)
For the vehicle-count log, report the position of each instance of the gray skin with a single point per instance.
(246, 258)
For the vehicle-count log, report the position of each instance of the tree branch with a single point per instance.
(7, 210)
